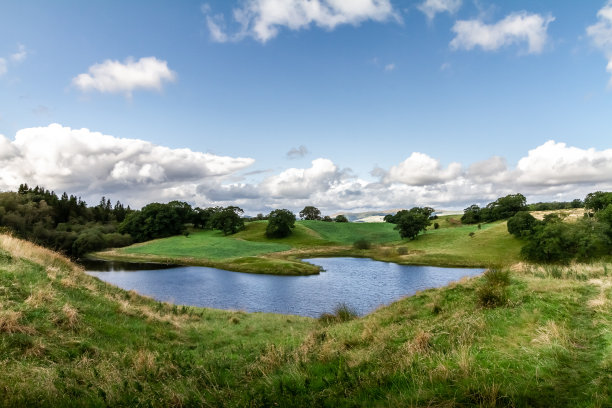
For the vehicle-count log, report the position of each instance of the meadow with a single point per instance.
(452, 244)
(518, 336)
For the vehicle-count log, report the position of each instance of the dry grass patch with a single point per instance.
(10, 322)
(41, 297)
(144, 361)
(67, 318)
(421, 343)
(601, 302)
(573, 214)
(269, 360)
(32, 252)
(551, 334)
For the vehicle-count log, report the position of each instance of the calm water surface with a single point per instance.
(363, 284)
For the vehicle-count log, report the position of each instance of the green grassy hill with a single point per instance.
(67, 339)
(251, 251)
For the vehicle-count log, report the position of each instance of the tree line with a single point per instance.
(554, 240)
(67, 224)
(63, 223)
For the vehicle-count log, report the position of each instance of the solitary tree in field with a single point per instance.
(410, 223)
(310, 213)
(341, 218)
(280, 223)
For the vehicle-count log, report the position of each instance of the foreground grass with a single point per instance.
(452, 244)
(68, 339)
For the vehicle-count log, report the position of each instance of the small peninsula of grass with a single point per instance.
(521, 336)
(250, 250)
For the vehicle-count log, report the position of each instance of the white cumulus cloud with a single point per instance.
(601, 34)
(137, 172)
(79, 160)
(556, 164)
(514, 28)
(147, 73)
(262, 19)
(432, 7)
(420, 169)
(301, 183)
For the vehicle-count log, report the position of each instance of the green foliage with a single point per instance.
(521, 224)
(202, 217)
(556, 241)
(39, 215)
(598, 200)
(341, 218)
(310, 213)
(155, 220)
(502, 208)
(436, 225)
(228, 220)
(556, 205)
(362, 243)
(605, 216)
(280, 223)
(411, 223)
(88, 241)
(327, 218)
(471, 215)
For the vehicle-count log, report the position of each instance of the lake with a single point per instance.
(361, 283)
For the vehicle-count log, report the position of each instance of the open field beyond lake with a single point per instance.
(251, 251)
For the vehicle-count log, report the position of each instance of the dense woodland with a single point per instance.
(67, 224)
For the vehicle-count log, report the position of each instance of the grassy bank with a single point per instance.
(452, 244)
(68, 339)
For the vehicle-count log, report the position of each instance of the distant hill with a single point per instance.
(377, 216)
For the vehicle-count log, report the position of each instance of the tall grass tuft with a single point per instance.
(494, 291)
(342, 313)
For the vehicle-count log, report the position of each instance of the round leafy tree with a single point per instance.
(280, 223)
(341, 218)
(310, 213)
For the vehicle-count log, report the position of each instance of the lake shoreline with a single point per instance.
(296, 258)
(359, 283)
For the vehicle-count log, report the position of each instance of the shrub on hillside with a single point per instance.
(521, 224)
(494, 290)
(362, 243)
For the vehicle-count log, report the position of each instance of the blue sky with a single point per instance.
(393, 103)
